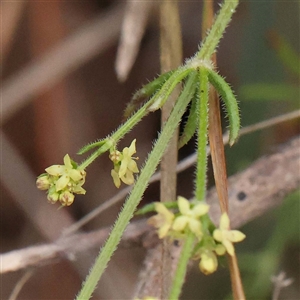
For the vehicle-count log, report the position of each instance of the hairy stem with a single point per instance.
(217, 30)
(200, 190)
(180, 273)
(118, 134)
(137, 192)
(170, 58)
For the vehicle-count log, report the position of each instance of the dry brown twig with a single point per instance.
(252, 192)
(67, 56)
(133, 28)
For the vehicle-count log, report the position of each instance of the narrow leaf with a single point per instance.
(146, 91)
(191, 124)
(161, 97)
(230, 101)
(91, 146)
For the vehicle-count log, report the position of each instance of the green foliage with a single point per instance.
(231, 105)
(146, 91)
(191, 124)
(195, 75)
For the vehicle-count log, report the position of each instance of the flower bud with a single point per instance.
(115, 156)
(43, 183)
(53, 197)
(66, 198)
(208, 263)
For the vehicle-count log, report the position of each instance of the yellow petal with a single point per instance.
(115, 178)
(235, 236)
(195, 227)
(123, 167)
(79, 190)
(200, 209)
(67, 161)
(229, 247)
(75, 174)
(217, 234)
(132, 166)
(128, 178)
(132, 149)
(161, 209)
(62, 182)
(183, 205)
(224, 221)
(163, 230)
(56, 170)
(180, 223)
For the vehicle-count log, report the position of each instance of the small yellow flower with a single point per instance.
(190, 217)
(208, 262)
(124, 165)
(66, 173)
(226, 236)
(62, 181)
(163, 220)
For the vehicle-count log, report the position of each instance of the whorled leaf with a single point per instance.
(231, 105)
(191, 124)
(163, 94)
(146, 91)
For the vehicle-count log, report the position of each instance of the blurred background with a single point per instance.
(60, 91)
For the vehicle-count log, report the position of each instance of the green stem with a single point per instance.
(202, 135)
(138, 190)
(218, 29)
(118, 134)
(154, 103)
(180, 273)
(162, 96)
(159, 99)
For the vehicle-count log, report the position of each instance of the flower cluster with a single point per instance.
(188, 218)
(209, 244)
(124, 165)
(224, 235)
(62, 182)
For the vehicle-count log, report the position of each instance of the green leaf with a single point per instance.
(163, 94)
(191, 124)
(231, 105)
(91, 146)
(146, 91)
